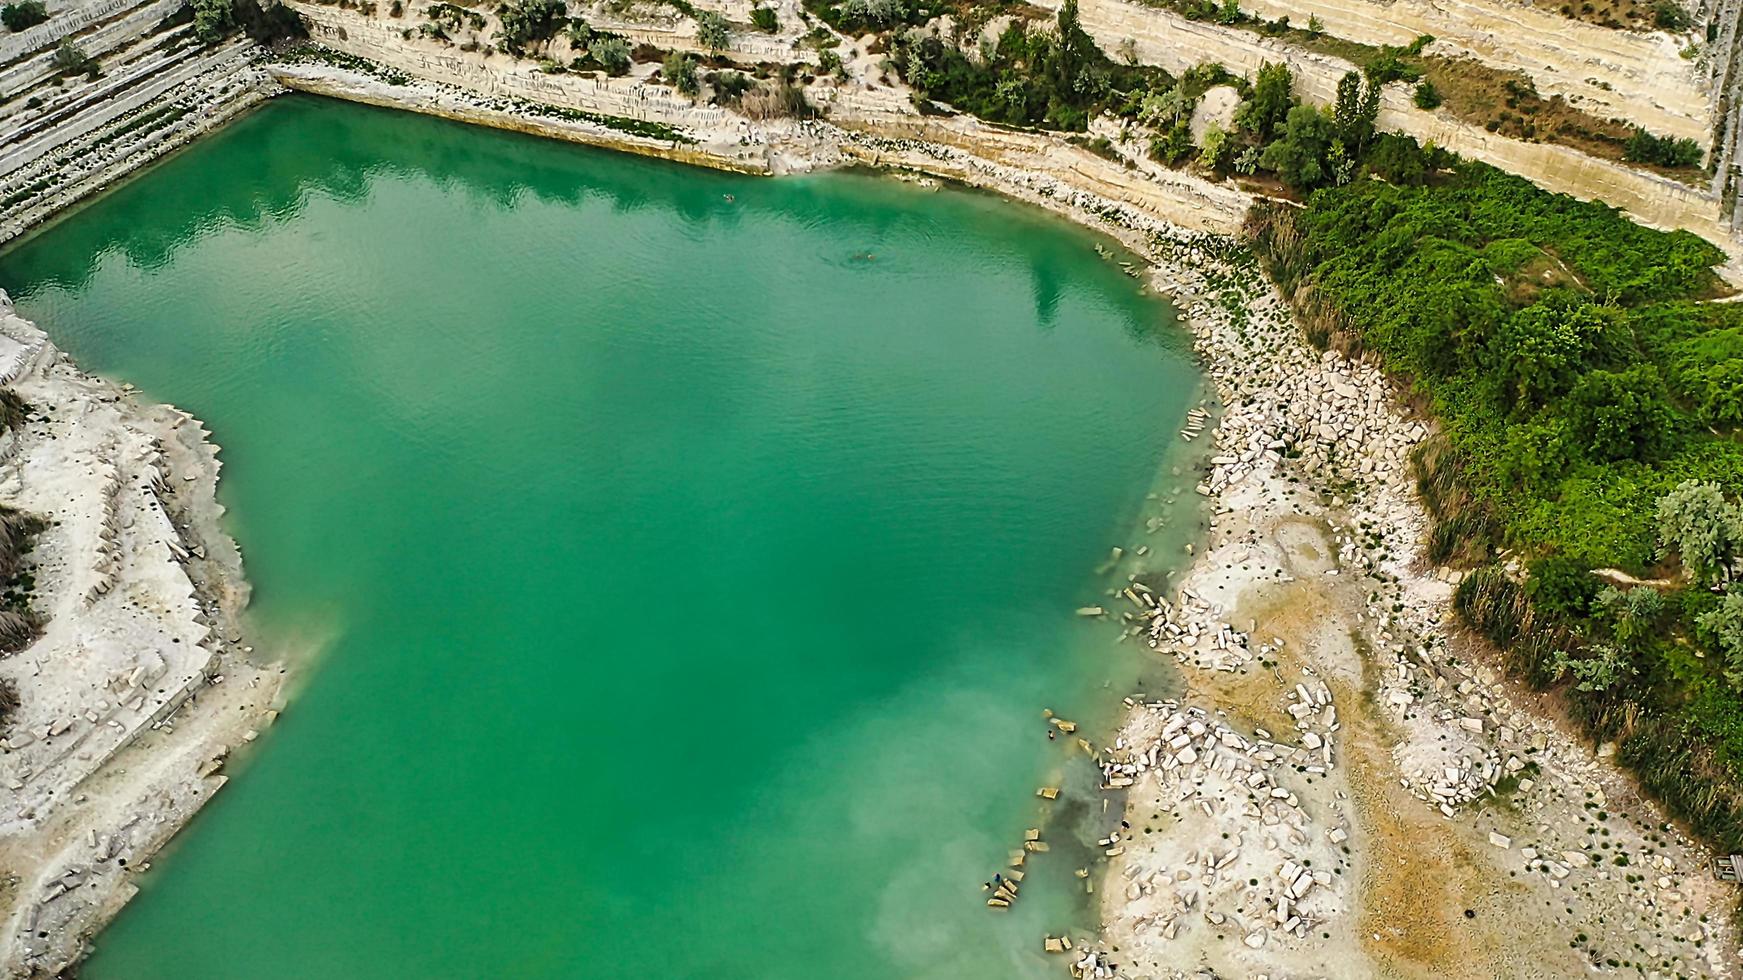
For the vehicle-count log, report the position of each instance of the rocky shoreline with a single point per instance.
(1346, 786)
(142, 684)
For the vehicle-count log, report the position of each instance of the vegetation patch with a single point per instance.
(1055, 79)
(317, 54)
(1588, 394)
(856, 17)
(1503, 102)
(633, 127)
(24, 15)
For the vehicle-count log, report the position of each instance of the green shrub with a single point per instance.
(1671, 16)
(765, 20)
(1561, 586)
(679, 70)
(1697, 524)
(70, 59)
(1663, 151)
(713, 32)
(1427, 96)
(23, 15)
(525, 23)
(612, 53)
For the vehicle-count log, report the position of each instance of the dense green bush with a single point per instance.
(713, 32)
(611, 52)
(526, 23)
(23, 15)
(1670, 15)
(70, 59)
(856, 17)
(679, 69)
(1643, 147)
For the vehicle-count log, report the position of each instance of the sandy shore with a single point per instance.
(141, 685)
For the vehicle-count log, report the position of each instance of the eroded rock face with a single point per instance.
(1723, 60)
(1668, 93)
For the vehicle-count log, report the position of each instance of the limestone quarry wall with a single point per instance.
(1163, 38)
(1724, 76)
(1641, 77)
(499, 75)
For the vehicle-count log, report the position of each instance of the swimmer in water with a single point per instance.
(729, 198)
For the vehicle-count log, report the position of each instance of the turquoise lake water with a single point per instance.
(689, 556)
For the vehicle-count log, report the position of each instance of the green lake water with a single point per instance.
(686, 558)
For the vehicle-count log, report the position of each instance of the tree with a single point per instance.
(1299, 155)
(1076, 51)
(1356, 112)
(1621, 414)
(529, 22)
(23, 15)
(1697, 523)
(680, 70)
(1269, 105)
(612, 53)
(212, 18)
(713, 31)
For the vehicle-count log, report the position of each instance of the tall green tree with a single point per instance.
(1356, 112)
(1268, 107)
